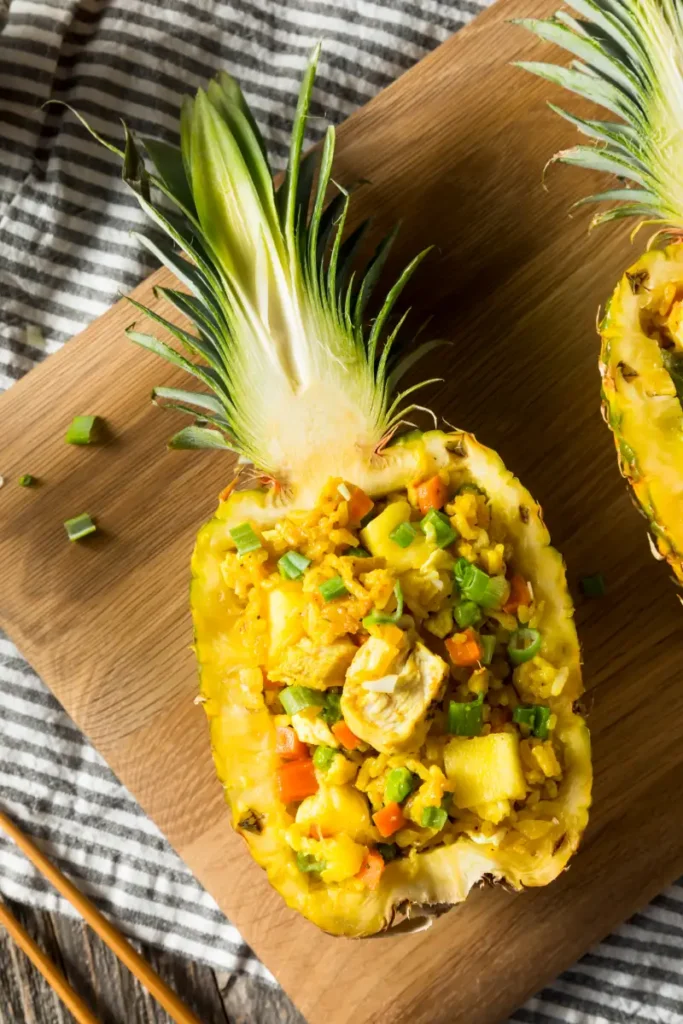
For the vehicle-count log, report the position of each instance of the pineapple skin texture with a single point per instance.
(243, 732)
(640, 404)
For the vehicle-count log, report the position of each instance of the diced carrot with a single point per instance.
(288, 745)
(371, 869)
(347, 738)
(296, 780)
(359, 505)
(389, 820)
(519, 594)
(465, 652)
(432, 493)
(270, 684)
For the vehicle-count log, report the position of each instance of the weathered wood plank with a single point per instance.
(113, 994)
(95, 973)
(195, 983)
(25, 996)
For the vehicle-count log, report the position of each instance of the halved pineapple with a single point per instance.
(243, 729)
(631, 63)
(641, 363)
(295, 624)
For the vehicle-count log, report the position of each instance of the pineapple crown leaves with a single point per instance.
(276, 306)
(627, 58)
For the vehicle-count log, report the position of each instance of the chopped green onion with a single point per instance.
(524, 645)
(488, 644)
(403, 535)
(292, 565)
(446, 801)
(387, 851)
(245, 538)
(438, 529)
(83, 430)
(497, 589)
(79, 526)
(398, 786)
(26, 480)
(307, 862)
(472, 580)
(467, 613)
(332, 589)
(476, 585)
(466, 719)
(593, 586)
(383, 618)
(296, 698)
(434, 817)
(358, 553)
(535, 717)
(460, 569)
(323, 757)
(331, 712)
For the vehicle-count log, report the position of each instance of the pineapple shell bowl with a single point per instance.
(388, 659)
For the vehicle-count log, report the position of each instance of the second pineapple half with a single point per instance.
(388, 658)
(628, 59)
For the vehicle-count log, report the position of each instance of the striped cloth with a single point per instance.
(65, 253)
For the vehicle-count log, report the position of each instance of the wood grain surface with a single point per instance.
(455, 149)
(217, 997)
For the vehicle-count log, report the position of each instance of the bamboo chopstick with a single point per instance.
(49, 971)
(136, 964)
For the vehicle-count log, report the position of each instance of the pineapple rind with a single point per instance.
(641, 406)
(243, 732)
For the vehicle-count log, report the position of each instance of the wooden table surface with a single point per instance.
(115, 997)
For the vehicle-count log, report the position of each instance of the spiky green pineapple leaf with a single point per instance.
(194, 438)
(628, 58)
(272, 291)
(168, 161)
(194, 398)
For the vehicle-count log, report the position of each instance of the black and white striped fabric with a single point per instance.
(65, 254)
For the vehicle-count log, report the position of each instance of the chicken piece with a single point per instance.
(389, 711)
(313, 665)
(311, 728)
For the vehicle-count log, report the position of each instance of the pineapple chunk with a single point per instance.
(485, 769)
(311, 728)
(393, 722)
(342, 857)
(341, 771)
(376, 539)
(285, 606)
(317, 666)
(493, 812)
(335, 809)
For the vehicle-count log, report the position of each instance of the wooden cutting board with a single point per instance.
(455, 148)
